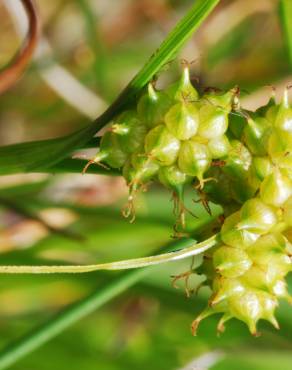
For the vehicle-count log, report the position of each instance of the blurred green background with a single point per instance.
(89, 50)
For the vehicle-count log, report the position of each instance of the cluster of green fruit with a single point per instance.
(247, 272)
(238, 159)
(173, 136)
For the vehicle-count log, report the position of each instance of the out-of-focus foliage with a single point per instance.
(103, 44)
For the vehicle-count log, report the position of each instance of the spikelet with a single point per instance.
(238, 159)
(251, 266)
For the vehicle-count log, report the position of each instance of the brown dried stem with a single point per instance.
(10, 75)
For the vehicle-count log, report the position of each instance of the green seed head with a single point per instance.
(269, 254)
(172, 177)
(247, 308)
(254, 306)
(238, 161)
(257, 278)
(145, 167)
(178, 138)
(280, 290)
(262, 167)
(270, 110)
(130, 131)
(243, 190)
(182, 120)
(183, 90)
(194, 159)
(276, 146)
(235, 237)
(231, 262)
(280, 153)
(265, 246)
(268, 304)
(225, 288)
(276, 188)
(219, 147)
(139, 170)
(256, 135)
(111, 151)
(221, 100)
(162, 145)
(287, 214)
(213, 122)
(283, 121)
(257, 217)
(264, 277)
(153, 106)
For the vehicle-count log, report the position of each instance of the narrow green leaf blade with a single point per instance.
(37, 155)
(171, 45)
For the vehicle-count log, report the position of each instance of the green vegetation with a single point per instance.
(226, 166)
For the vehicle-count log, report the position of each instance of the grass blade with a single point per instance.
(171, 45)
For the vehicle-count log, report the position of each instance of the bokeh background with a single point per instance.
(89, 51)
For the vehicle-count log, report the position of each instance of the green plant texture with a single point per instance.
(185, 185)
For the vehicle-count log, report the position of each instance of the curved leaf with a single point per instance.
(193, 250)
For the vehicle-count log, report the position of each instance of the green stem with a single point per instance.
(194, 249)
(45, 332)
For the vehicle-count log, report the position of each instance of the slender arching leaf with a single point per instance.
(40, 155)
(37, 155)
(193, 250)
(46, 156)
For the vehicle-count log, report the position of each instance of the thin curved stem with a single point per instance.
(75, 312)
(14, 70)
(193, 250)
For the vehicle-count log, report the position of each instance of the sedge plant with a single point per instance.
(184, 139)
